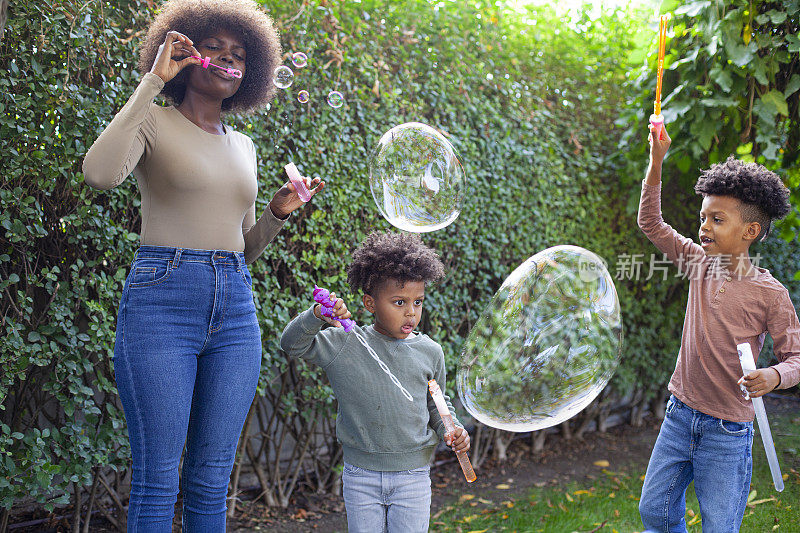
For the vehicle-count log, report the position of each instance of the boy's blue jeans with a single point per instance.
(716, 453)
(187, 359)
(393, 502)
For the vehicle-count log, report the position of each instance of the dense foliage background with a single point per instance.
(549, 116)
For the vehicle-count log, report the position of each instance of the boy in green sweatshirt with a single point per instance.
(387, 439)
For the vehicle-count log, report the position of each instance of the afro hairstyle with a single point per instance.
(198, 19)
(398, 256)
(762, 195)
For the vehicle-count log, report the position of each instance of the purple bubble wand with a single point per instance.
(323, 298)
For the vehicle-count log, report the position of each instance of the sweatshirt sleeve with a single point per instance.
(259, 233)
(682, 251)
(436, 419)
(303, 337)
(118, 149)
(784, 328)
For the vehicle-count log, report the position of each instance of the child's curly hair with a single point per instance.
(762, 194)
(198, 19)
(399, 256)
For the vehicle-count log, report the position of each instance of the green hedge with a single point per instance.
(530, 101)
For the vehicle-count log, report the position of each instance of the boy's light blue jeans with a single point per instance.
(716, 453)
(381, 502)
(187, 359)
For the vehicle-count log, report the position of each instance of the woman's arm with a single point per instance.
(119, 148)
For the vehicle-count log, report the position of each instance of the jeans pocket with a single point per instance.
(146, 272)
(248, 280)
(736, 429)
(353, 470)
(422, 471)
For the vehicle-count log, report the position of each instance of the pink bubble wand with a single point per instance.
(206, 62)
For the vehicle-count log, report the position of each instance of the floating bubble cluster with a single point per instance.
(335, 99)
(283, 77)
(303, 97)
(299, 59)
(416, 178)
(546, 345)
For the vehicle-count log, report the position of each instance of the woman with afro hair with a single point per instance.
(188, 348)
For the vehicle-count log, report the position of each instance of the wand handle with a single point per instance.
(297, 180)
(749, 365)
(450, 427)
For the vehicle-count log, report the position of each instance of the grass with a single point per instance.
(610, 504)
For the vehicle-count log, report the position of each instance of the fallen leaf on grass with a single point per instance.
(300, 514)
(540, 484)
(616, 513)
(478, 531)
(602, 463)
(581, 492)
(569, 498)
(693, 521)
(440, 512)
(508, 504)
(758, 502)
(612, 495)
(562, 506)
(485, 502)
(503, 486)
(465, 497)
(690, 512)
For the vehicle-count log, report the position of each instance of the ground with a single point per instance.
(621, 448)
(560, 462)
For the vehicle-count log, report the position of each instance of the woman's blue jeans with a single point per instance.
(187, 359)
(716, 453)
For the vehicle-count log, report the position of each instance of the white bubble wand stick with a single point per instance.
(749, 365)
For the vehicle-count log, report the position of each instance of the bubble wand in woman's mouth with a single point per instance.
(206, 62)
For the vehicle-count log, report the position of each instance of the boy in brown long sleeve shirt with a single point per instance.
(707, 433)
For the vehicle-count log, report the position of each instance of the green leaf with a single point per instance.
(776, 100)
(792, 86)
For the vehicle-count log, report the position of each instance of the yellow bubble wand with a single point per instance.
(657, 119)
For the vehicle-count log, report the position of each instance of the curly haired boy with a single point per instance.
(707, 433)
(387, 441)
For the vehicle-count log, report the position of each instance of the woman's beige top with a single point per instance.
(198, 189)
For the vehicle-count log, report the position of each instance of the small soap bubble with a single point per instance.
(302, 97)
(299, 59)
(283, 77)
(335, 99)
(416, 179)
(546, 345)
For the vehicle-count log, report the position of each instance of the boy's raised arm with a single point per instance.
(681, 250)
(302, 338)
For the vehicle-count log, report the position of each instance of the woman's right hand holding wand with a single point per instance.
(165, 65)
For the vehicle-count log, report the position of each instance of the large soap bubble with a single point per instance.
(546, 345)
(416, 178)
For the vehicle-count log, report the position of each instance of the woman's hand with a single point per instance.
(175, 44)
(286, 199)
